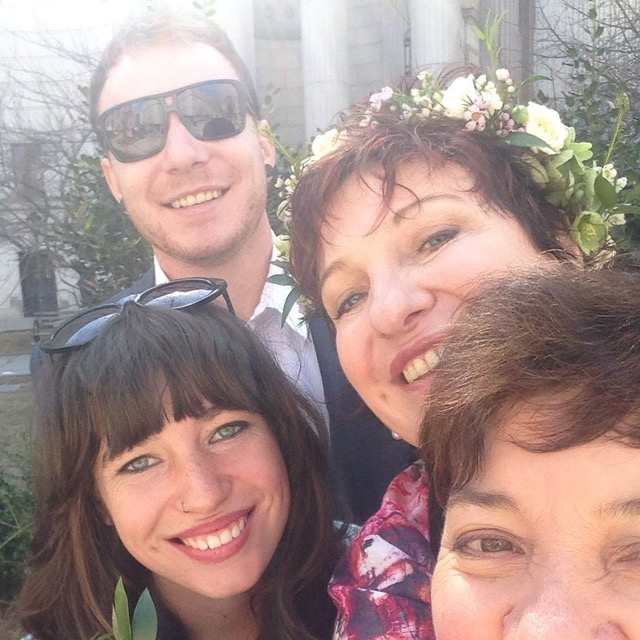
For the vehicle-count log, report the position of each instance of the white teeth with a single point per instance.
(198, 198)
(202, 544)
(421, 366)
(216, 541)
(213, 542)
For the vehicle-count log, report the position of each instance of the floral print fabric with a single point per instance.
(382, 584)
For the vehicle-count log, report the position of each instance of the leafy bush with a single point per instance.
(597, 103)
(16, 517)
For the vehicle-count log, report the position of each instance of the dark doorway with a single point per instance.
(38, 281)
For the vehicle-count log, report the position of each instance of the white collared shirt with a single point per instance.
(291, 345)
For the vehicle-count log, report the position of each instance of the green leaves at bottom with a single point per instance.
(145, 618)
(120, 617)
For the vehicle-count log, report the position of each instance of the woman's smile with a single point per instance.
(202, 504)
(394, 278)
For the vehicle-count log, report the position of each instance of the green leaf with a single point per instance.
(293, 296)
(589, 231)
(478, 33)
(561, 158)
(145, 618)
(282, 279)
(282, 207)
(534, 79)
(521, 139)
(628, 210)
(605, 192)
(582, 150)
(120, 619)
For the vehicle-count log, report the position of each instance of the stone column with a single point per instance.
(236, 18)
(437, 33)
(394, 31)
(324, 61)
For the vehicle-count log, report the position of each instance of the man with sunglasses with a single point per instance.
(175, 110)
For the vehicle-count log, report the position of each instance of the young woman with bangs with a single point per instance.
(172, 451)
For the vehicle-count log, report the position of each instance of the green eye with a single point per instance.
(228, 431)
(139, 464)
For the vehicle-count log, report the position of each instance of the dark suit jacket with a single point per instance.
(364, 455)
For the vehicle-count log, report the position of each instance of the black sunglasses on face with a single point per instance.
(186, 293)
(210, 110)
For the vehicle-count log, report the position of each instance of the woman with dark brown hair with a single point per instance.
(399, 218)
(533, 442)
(172, 451)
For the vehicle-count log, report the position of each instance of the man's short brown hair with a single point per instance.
(157, 28)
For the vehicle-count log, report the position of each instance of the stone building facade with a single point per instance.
(314, 57)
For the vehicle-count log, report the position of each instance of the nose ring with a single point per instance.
(182, 507)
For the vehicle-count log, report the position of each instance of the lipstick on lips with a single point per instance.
(217, 539)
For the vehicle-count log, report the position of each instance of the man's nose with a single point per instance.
(182, 151)
(396, 304)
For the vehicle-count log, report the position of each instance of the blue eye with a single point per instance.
(436, 240)
(348, 304)
(142, 463)
(228, 431)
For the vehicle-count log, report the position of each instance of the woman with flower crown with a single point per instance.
(399, 217)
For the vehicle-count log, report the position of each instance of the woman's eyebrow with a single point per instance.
(486, 499)
(398, 218)
(629, 507)
(338, 265)
(432, 197)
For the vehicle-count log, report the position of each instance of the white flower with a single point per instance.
(491, 99)
(459, 95)
(407, 111)
(621, 183)
(327, 142)
(378, 99)
(617, 219)
(503, 75)
(609, 172)
(424, 77)
(423, 101)
(545, 123)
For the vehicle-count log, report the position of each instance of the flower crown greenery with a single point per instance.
(565, 168)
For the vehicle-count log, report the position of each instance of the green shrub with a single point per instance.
(16, 517)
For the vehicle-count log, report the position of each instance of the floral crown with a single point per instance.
(565, 168)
